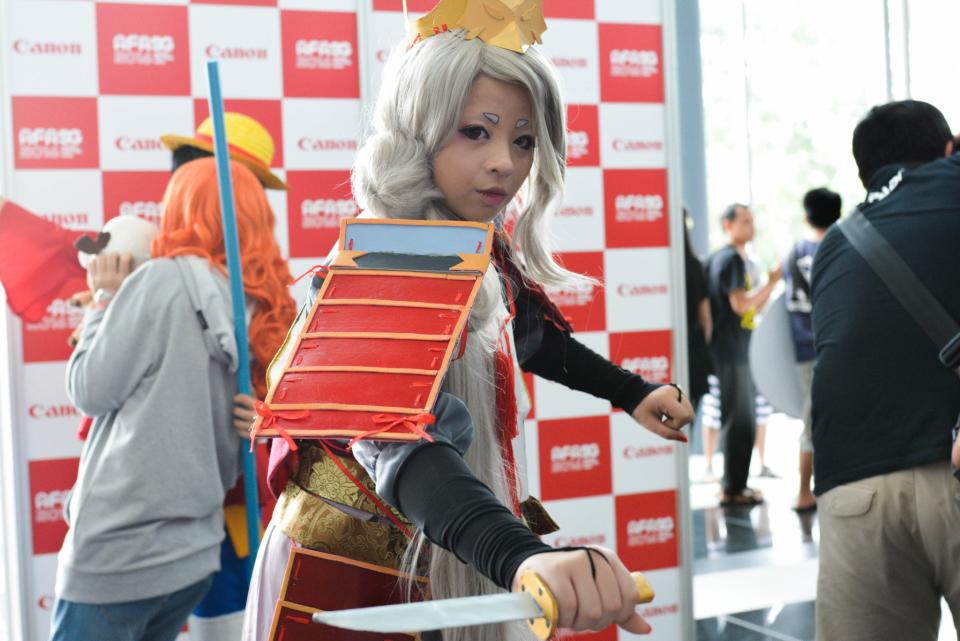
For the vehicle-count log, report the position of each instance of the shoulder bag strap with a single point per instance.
(912, 294)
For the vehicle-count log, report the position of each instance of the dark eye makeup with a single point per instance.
(474, 132)
(478, 132)
(525, 142)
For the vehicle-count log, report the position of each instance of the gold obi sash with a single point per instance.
(360, 532)
(307, 512)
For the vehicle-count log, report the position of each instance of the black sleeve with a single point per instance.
(733, 274)
(437, 491)
(565, 360)
(695, 285)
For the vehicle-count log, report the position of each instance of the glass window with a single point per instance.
(784, 85)
(933, 68)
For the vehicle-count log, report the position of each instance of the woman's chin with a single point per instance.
(479, 215)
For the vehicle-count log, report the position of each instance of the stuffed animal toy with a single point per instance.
(121, 235)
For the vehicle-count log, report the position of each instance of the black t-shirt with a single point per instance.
(882, 401)
(726, 273)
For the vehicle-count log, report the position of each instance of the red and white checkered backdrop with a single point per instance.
(89, 87)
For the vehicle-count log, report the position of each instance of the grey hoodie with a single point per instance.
(157, 372)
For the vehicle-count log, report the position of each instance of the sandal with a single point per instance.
(805, 509)
(746, 498)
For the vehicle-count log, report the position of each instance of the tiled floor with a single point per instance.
(755, 569)
(791, 622)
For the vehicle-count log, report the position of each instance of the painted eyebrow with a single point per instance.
(523, 122)
(492, 117)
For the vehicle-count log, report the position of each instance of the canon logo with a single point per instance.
(578, 144)
(575, 211)
(631, 452)
(323, 54)
(574, 458)
(619, 144)
(660, 610)
(630, 291)
(317, 144)
(127, 143)
(50, 136)
(634, 63)
(325, 213)
(570, 63)
(73, 220)
(39, 411)
(29, 47)
(146, 209)
(586, 539)
(650, 531)
(236, 53)
(143, 43)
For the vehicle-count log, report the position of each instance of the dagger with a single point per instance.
(533, 603)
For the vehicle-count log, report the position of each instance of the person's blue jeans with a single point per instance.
(158, 619)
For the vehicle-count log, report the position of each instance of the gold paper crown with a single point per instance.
(509, 24)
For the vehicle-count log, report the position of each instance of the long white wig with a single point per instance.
(419, 106)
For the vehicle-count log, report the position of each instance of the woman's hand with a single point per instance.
(81, 299)
(956, 453)
(665, 411)
(108, 271)
(243, 414)
(586, 602)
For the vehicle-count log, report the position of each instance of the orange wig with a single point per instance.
(191, 225)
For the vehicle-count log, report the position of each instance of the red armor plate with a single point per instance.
(355, 388)
(292, 623)
(376, 318)
(384, 287)
(369, 352)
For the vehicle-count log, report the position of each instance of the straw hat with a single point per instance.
(249, 142)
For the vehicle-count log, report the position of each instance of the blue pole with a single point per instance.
(235, 271)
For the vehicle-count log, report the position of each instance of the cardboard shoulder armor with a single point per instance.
(370, 357)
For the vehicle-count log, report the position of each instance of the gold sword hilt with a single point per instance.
(546, 626)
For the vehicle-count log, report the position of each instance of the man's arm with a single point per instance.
(113, 353)
(706, 319)
(741, 302)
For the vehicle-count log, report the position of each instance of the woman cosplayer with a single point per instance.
(155, 365)
(462, 128)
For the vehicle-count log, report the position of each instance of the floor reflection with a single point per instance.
(790, 622)
(747, 555)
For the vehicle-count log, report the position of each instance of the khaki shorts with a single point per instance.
(889, 550)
